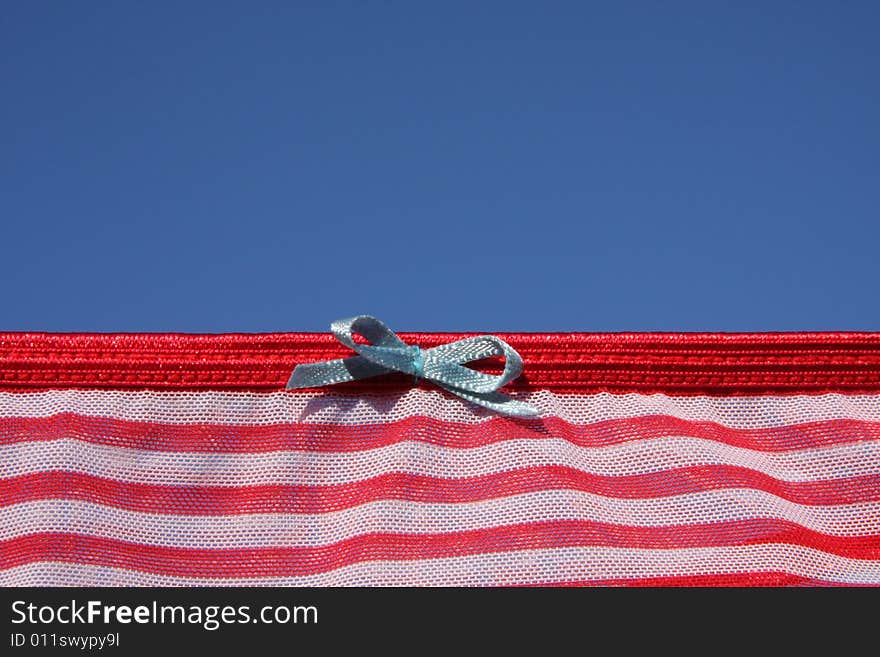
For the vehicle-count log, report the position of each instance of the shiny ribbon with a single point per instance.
(442, 365)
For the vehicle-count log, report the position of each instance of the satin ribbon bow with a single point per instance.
(442, 365)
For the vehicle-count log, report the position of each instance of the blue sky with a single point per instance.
(559, 166)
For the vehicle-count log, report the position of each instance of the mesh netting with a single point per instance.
(420, 488)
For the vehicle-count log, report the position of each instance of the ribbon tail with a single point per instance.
(316, 375)
(497, 401)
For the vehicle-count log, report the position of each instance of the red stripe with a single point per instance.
(351, 438)
(291, 561)
(679, 363)
(721, 580)
(222, 500)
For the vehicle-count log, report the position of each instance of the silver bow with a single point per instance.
(442, 365)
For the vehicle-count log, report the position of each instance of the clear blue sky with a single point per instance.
(564, 166)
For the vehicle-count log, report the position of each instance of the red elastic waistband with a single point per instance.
(677, 363)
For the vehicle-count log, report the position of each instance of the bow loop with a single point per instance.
(443, 365)
(385, 348)
(451, 357)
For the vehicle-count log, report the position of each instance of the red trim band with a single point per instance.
(677, 363)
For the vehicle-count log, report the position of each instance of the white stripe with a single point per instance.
(245, 408)
(329, 468)
(400, 517)
(499, 568)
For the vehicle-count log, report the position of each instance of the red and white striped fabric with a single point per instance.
(705, 459)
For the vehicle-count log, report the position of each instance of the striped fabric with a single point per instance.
(657, 459)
